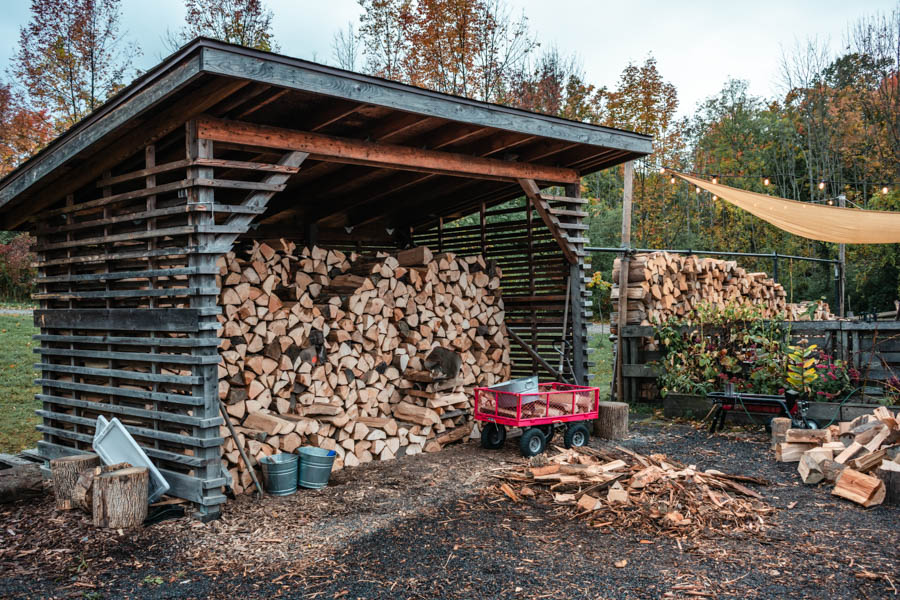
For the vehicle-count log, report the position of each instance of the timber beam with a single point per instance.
(349, 151)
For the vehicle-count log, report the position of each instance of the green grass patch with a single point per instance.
(601, 355)
(17, 304)
(17, 390)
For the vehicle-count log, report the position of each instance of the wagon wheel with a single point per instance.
(532, 442)
(547, 430)
(576, 436)
(493, 436)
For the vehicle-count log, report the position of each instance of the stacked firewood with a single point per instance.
(374, 357)
(860, 457)
(663, 285)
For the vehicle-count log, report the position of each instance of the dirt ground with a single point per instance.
(434, 526)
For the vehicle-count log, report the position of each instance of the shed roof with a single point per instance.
(208, 77)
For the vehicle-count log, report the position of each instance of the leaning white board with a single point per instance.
(113, 444)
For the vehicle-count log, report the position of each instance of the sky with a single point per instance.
(698, 44)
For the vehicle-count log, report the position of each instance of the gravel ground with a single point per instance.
(434, 526)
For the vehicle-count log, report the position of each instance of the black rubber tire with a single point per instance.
(813, 424)
(547, 430)
(769, 425)
(576, 435)
(532, 442)
(493, 436)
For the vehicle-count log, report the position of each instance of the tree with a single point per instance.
(71, 58)
(242, 22)
(22, 131)
(345, 48)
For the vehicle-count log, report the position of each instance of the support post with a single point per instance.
(576, 294)
(842, 257)
(775, 266)
(623, 277)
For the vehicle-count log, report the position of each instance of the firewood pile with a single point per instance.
(652, 493)
(373, 357)
(663, 285)
(861, 458)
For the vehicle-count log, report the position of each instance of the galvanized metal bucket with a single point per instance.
(280, 473)
(315, 467)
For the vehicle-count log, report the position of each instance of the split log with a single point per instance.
(64, 472)
(831, 470)
(786, 452)
(120, 498)
(780, 425)
(859, 487)
(20, 482)
(82, 495)
(612, 421)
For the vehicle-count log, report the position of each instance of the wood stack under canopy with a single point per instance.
(663, 285)
(374, 357)
(860, 457)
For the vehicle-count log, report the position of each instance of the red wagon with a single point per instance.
(538, 409)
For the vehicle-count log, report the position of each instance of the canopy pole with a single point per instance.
(623, 278)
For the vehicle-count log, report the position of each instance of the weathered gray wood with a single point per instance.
(117, 275)
(164, 436)
(119, 391)
(311, 77)
(20, 482)
(118, 409)
(160, 319)
(117, 374)
(144, 293)
(166, 342)
(623, 281)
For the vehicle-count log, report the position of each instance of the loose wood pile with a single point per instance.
(663, 285)
(860, 457)
(371, 356)
(651, 493)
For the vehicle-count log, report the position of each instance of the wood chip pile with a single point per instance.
(663, 285)
(371, 356)
(650, 493)
(860, 457)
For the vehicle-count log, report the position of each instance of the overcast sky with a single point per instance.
(698, 44)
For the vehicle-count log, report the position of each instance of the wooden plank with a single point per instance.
(174, 292)
(121, 237)
(108, 390)
(117, 275)
(244, 165)
(112, 319)
(534, 193)
(330, 148)
(183, 359)
(163, 436)
(130, 411)
(117, 373)
(127, 341)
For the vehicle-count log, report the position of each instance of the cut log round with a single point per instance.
(780, 425)
(65, 472)
(612, 421)
(20, 482)
(82, 495)
(120, 498)
(890, 475)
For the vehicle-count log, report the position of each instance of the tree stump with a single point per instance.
(780, 425)
(612, 421)
(891, 478)
(65, 472)
(82, 495)
(120, 498)
(20, 482)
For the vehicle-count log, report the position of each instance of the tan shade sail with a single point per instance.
(813, 221)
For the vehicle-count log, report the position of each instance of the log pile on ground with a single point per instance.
(663, 285)
(652, 493)
(861, 458)
(374, 357)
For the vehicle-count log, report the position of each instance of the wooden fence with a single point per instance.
(873, 349)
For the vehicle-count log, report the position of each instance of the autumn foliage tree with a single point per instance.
(243, 22)
(22, 131)
(71, 58)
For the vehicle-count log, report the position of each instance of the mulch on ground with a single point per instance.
(435, 526)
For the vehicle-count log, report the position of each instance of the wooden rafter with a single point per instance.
(335, 149)
(534, 194)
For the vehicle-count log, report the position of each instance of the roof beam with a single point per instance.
(335, 149)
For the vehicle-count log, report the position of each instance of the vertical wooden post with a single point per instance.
(575, 290)
(483, 221)
(204, 259)
(623, 278)
(842, 257)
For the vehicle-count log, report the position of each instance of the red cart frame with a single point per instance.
(552, 403)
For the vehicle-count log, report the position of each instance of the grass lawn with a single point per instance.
(602, 356)
(17, 390)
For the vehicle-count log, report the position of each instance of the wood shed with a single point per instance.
(219, 145)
